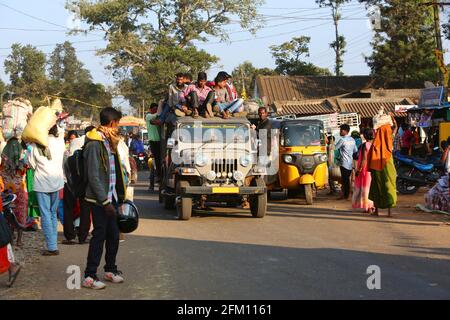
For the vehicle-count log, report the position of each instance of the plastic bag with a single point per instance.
(15, 117)
(40, 123)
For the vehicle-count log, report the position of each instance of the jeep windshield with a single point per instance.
(214, 133)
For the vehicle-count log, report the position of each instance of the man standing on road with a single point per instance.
(154, 138)
(105, 190)
(347, 147)
(264, 129)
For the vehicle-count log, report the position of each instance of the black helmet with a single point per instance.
(128, 217)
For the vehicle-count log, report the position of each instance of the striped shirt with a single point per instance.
(112, 192)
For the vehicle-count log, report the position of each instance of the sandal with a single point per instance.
(13, 277)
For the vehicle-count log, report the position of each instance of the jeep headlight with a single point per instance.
(201, 160)
(245, 161)
(238, 176)
(288, 158)
(211, 176)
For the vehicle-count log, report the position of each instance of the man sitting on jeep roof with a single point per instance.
(197, 98)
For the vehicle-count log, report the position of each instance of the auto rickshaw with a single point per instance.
(302, 158)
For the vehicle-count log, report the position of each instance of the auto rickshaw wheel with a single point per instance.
(309, 194)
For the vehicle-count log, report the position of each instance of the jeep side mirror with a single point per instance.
(170, 143)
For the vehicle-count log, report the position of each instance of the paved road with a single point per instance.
(296, 252)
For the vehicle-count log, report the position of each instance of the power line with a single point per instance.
(31, 16)
(54, 44)
(32, 30)
(266, 37)
(39, 19)
(310, 8)
(349, 45)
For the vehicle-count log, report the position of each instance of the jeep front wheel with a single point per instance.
(258, 203)
(184, 205)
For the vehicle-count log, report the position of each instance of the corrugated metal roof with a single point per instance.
(367, 108)
(394, 93)
(306, 107)
(284, 88)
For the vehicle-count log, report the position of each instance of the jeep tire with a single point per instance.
(258, 203)
(184, 205)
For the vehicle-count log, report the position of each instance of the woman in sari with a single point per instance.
(363, 176)
(383, 189)
(13, 174)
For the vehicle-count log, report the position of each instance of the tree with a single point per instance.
(246, 73)
(150, 82)
(26, 69)
(64, 66)
(403, 49)
(339, 44)
(69, 79)
(2, 87)
(140, 30)
(288, 58)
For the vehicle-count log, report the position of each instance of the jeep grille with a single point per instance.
(224, 167)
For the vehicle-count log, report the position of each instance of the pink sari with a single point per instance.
(361, 190)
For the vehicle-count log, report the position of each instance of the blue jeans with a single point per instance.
(48, 205)
(232, 107)
(164, 112)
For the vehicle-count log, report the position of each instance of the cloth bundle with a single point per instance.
(15, 116)
(438, 197)
(381, 119)
(39, 125)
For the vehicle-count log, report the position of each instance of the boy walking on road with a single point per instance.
(105, 190)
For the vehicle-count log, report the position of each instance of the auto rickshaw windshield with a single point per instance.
(303, 135)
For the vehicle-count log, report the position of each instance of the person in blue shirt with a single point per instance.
(137, 146)
(347, 147)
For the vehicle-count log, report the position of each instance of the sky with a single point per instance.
(44, 23)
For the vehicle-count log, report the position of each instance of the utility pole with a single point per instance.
(443, 71)
(438, 35)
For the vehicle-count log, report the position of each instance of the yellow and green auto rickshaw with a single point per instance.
(302, 158)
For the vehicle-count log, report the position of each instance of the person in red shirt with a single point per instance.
(408, 139)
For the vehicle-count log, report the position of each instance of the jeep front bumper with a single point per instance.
(222, 190)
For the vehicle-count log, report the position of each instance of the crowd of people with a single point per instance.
(365, 166)
(44, 178)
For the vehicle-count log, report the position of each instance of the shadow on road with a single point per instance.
(333, 214)
(172, 268)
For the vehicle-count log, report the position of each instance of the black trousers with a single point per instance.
(155, 148)
(346, 174)
(85, 217)
(105, 234)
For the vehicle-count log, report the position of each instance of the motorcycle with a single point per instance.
(8, 205)
(141, 160)
(413, 173)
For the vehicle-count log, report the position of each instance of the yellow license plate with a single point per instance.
(226, 190)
